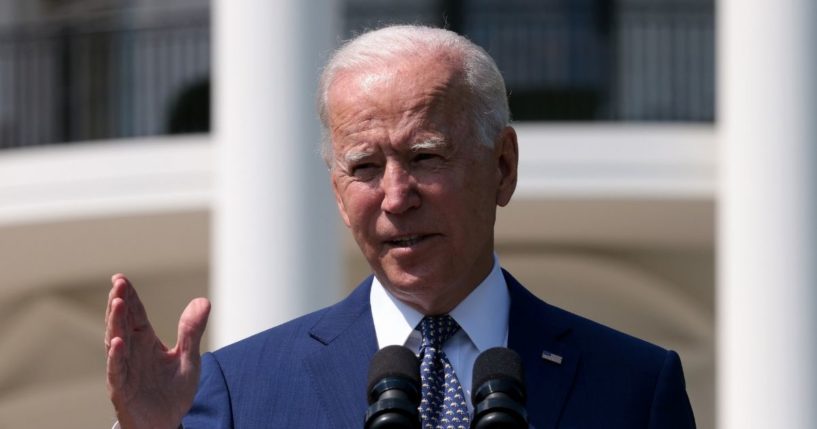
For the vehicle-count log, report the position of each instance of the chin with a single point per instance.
(411, 287)
(406, 283)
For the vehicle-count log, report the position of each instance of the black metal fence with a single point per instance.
(632, 60)
(111, 77)
(666, 61)
(103, 78)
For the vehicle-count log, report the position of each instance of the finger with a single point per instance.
(118, 290)
(137, 316)
(191, 327)
(117, 326)
(116, 368)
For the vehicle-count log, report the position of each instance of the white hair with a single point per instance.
(488, 101)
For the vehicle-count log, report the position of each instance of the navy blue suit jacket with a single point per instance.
(311, 372)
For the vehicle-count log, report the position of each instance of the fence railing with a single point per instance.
(635, 60)
(631, 60)
(102, 79)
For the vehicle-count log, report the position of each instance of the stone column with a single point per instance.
(275, 251)
(767, 293)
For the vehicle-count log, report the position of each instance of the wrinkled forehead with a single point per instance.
(407, 69)
(423, 93)
(426, 85)
(402, 78)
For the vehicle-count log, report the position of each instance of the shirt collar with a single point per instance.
(482, 315)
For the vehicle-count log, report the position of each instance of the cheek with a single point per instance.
(361, 207)
(475, 208)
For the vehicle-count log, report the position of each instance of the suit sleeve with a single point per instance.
(211, 407)
(670, 406)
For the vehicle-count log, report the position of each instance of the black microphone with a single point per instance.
(499, 393)
(394, 390)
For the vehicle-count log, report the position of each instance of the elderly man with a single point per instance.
(421, 155)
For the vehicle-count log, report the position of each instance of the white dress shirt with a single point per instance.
(482, 316)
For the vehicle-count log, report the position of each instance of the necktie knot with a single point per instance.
(436, 330)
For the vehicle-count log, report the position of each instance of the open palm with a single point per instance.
(150, 385)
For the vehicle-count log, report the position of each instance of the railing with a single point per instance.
(632, 60)
(104, 78)
(665, 62)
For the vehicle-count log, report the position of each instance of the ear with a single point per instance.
(338, 199)
(507, 155)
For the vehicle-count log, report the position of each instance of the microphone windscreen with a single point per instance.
(393, 361)
(497, 363)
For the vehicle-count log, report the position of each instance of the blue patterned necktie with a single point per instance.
(443, 403)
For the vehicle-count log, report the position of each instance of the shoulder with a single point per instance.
(577, 330)
(249, 382)
(629, 382)
(602, 348)
(641, 380)
(602, 343)
(297, 337)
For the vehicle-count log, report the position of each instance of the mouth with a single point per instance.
(408, 240)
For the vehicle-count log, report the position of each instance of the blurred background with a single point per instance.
(119, 127)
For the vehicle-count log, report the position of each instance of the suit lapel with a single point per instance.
(338, 369)
(534, 328)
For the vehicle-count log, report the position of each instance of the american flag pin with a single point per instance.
(548, 356)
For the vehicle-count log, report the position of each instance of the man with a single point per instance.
(420, 154)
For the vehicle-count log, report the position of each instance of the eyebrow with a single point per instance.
(433, 143)
(355, 156)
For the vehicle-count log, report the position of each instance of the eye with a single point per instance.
(421, 157)
(365, 170)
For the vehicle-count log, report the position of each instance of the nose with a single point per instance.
(399, 190)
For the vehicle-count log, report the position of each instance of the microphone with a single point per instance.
(499, 394)
(393, 389)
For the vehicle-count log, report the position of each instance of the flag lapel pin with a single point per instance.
(551, 357)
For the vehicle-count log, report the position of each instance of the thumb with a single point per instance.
(191, 326)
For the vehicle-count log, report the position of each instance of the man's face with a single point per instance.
(412, 183)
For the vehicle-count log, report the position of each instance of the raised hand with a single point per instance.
(150, 385)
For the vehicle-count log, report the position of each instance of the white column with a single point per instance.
(275, 251)
(767, 299)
